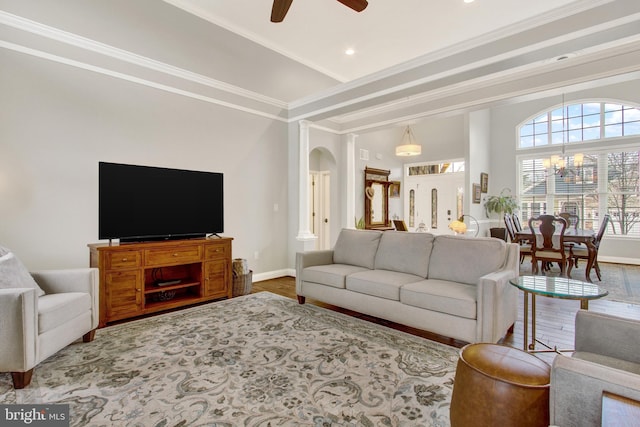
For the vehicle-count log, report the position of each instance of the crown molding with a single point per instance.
(116, 74)
(71, 39)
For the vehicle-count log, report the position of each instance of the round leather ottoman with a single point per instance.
(502, 386)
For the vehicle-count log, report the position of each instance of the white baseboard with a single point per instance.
(619, 260)
(274, 274)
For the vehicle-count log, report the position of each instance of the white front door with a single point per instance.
(432, 202)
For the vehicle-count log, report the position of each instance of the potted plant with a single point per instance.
(500, 204)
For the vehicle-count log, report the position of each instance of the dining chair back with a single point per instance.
(548, 243)
(516, 222)
(573, 220)
(508, 222)
(525, 247)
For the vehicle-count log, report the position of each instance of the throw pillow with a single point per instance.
(13, 274)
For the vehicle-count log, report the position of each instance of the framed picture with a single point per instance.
(394, 189)
(476, 193)
(484, 182)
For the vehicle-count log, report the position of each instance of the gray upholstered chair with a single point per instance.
(606, 358)
(41, 313)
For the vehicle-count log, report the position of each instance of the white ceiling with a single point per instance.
(388, 32)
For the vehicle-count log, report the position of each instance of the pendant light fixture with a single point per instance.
(408, 145)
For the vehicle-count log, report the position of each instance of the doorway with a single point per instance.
(320, 207)
(433, 201)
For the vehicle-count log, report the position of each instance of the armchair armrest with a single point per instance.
(577, 386)
(18, 329)
(608, 335)
(70, 280)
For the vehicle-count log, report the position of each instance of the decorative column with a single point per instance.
(304, 232)
(351, 181)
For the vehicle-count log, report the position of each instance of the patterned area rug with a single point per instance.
(621, 280)
(257, 360)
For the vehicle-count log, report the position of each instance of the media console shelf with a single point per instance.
(143, 278)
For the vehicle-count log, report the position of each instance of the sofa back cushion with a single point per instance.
(356, 247)
(13, 274)
(465, 260)
(405, 252)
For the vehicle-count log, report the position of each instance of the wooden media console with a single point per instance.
(143, 278)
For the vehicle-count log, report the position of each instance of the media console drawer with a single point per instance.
(169, 256)
(123, 259)
(149, 277)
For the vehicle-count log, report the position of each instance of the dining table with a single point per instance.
(571, 235)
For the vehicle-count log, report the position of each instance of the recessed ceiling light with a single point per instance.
(468, 1)
(349, 51)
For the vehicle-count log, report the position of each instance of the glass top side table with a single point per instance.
(553, 287)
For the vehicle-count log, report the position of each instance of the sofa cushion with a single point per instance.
(57, 309)
(612, 362)
(464, 259)
(453, 298)
(330, 275)
(380, 283)
(13, 274)
(356, 247)
(404, 252)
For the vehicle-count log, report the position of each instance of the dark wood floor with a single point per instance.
(555, 317)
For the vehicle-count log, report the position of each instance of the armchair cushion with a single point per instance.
(57, 309)
(13, 274)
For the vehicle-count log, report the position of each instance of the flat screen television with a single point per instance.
(139, 203)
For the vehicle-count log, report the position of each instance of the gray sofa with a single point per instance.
(450, 285)
(606, 358)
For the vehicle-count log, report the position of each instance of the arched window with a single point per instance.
(584, 159)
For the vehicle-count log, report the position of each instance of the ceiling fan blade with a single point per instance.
(280, 9)
(357, 5)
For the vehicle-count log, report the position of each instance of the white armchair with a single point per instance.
(607, 358)
(38, 318)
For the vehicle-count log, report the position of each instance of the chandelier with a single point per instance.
(560, 163)
(408, 145)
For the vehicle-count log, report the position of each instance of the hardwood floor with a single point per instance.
(554, 325)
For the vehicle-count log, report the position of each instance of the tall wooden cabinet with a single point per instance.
(142, 278)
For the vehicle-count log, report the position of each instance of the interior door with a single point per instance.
(435, 201)
(325, 197)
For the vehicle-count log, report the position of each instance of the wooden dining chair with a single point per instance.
(573, 220)
(582, 252)
(525, 247)
(516, 222)
(548, 243)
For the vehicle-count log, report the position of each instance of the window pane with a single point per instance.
(556, 126)
(591, 108)
(591, 133)
(613, 118)
(575, 135)
(632, 128)
(557, 137)
(574, 110)
(612, 107)
(631, 114)
(541, 128)
(612, 131)
(526, 130)
(526, 142)
(591, 120)
(541, 140)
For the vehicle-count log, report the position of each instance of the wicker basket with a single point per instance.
(242, 284)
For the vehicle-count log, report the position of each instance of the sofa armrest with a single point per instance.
(608, 335)
(310, 258)
(18, 329)
(577, 386)
(72, 280)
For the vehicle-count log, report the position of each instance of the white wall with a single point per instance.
(58, 122)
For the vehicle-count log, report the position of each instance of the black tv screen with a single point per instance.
(137, 203)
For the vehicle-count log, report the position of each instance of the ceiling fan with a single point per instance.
(281, 7)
